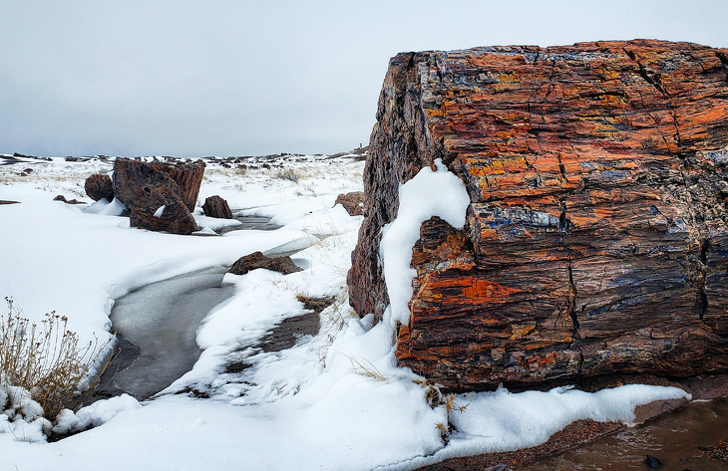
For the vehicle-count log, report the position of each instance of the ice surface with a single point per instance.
(162, 319)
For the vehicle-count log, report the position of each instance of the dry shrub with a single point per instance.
(288, 174)
(45, 360)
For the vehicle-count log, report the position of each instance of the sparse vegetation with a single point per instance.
(45, 360)
(435, 398)
(288, 174)
(370, 371)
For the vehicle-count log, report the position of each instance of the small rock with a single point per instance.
(99, 186)
(63, 198)
(217, 207)
(9, 202)
(257, 260)
(352, 202)
(652, 462)
(718, 451)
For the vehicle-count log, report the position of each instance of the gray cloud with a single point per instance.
(197, 78)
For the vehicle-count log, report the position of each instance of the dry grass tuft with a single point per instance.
(370, 371)
(45, 360)
(288, 174)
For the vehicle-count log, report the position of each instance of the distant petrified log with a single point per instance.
(99, 186)
(596, 238)
(257, 260)
(216, 207)
(145, 188)
(188, 176)
(353, 202)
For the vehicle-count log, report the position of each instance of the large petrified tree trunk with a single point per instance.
(596, 238)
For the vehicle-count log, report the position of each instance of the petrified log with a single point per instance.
(353, 202)
(154, 197)
(99, 186)
(216, 207)
(257, 260)
(188, 175)
(596, 237)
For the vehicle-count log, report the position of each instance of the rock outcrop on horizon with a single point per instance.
(596, 239)
(161, 196)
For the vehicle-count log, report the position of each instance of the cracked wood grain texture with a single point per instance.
(596, 238)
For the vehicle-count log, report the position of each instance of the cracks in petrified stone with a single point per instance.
(564, 222)
(572, 301)
(552, 74)
(723, 61)
(701, 298)
(575, 343)
(562, 169)
(645, 75)
(655, 82)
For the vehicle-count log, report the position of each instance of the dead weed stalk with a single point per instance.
(45, 359)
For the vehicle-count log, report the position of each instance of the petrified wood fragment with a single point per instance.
(155, 199)
(596, 238)
(216, 207)
(353, 202)
(257, 260)
(99, 186)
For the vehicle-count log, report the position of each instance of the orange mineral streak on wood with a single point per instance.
(596, 240)
(465, 290)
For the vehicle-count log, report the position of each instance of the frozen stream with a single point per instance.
(156, 326)
(161, 321)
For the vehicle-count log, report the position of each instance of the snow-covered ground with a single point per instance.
(334, 401)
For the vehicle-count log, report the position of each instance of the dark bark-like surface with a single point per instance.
(145, 187)
(187, 175)
(216, 207)
(257, 260)
(353, 202)
(99, 186)
(596, 238)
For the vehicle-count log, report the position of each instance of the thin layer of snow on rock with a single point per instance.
(439, 193)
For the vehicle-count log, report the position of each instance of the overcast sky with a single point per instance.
(195, 78)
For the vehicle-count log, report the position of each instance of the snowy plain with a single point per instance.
(334, 401)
